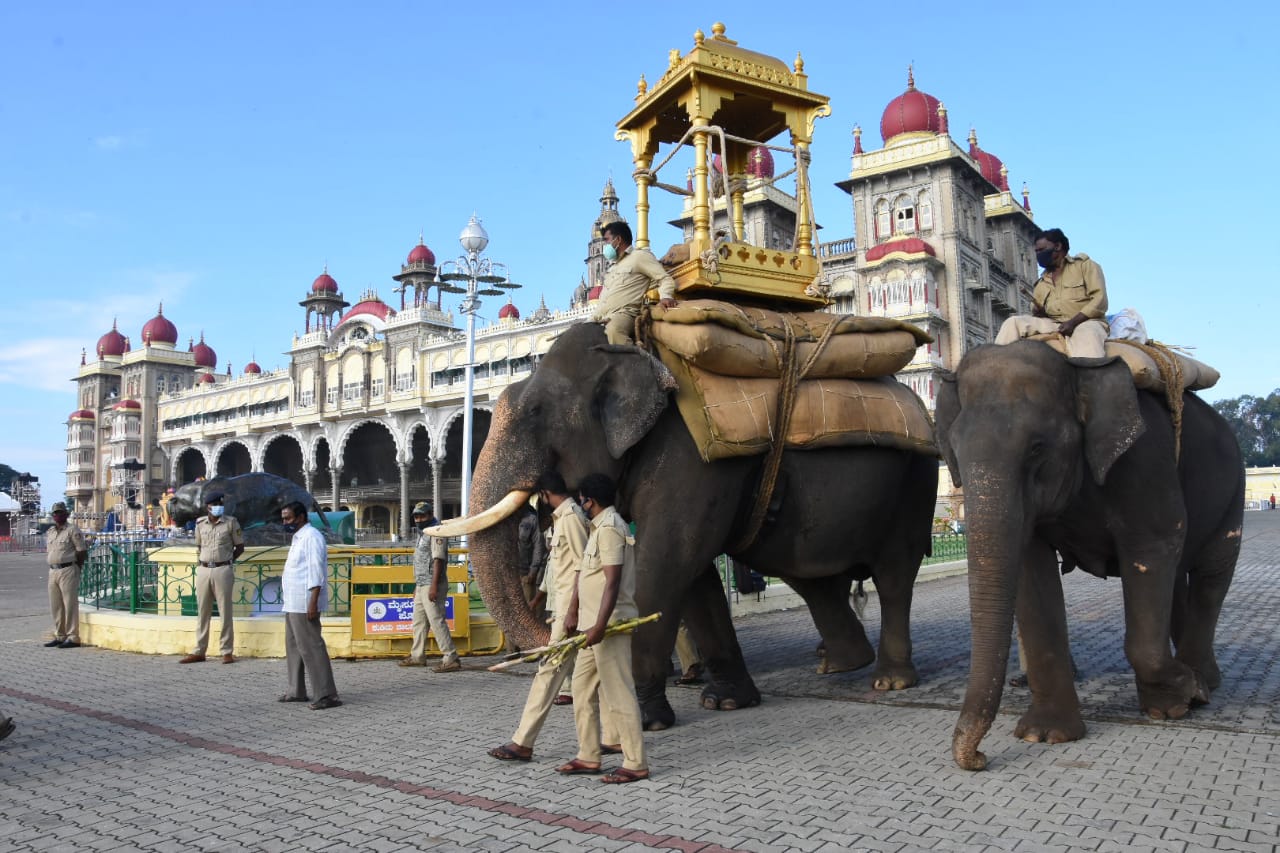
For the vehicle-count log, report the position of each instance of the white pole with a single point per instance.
(468, 397)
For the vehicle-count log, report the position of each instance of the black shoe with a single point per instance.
(68, 644)
(325, 702)
(6, 727)
(53, 644)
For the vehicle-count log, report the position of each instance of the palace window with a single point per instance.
(883, 222)
(307, 399)
(352, 391)
(924, 212)
(377, 387)
(904, 216)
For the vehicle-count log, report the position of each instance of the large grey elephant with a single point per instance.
(837, 514)
(1066, 457)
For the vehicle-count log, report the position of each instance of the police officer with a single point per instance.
(219, 543)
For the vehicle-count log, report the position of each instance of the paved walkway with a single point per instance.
(117, 751)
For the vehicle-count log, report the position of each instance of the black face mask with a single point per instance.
(423, 524)
(1045, 258)
(290, 528)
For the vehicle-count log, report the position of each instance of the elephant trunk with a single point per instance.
(995, 523)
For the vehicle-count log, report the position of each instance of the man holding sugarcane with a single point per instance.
(605, 592)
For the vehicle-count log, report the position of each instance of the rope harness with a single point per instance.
(1174, 384)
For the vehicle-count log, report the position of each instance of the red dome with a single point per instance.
(989, 164)
(159, 330)
(207, 379)
(911, 112)
(128, 405)
(760, 162)
(324, 283)
(422, 255)
(594, 293)
(252, 367)
(369, 306)
(907, 246)
(205, 356)
(83, 415)
(112, 343)
(509, 312)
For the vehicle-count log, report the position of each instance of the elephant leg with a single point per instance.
(651, 664)
(1206, 586)
(845, 640)
(895, 575)
(1054, 715)
(729, 685)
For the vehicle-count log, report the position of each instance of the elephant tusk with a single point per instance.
(475, 523)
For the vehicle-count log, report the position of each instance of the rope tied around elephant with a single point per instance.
(1174, 383)
(790, 374)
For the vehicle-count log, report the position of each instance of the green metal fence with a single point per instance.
(948, 547)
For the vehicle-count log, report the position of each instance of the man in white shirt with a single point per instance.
(304, 585)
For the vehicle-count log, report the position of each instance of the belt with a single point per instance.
(61, 565)
(216, 565)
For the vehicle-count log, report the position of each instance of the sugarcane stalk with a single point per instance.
(559, 651)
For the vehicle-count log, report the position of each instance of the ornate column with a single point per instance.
(309, 479)
(335, 476)
(404, 500)
(436, 466)
(701, 205)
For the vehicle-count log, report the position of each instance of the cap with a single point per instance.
(58, 507)
(422, 508)
(213, 498)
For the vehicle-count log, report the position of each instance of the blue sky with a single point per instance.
(217, 155)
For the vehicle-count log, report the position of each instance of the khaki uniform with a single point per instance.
(61, 547)
(569, 534)
(603, 671)
(625, 285)
(426, 611)
(216, 579)
(1078, 288)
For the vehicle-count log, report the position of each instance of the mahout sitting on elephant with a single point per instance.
(837, 513)
(1066, 457)
(254, 499)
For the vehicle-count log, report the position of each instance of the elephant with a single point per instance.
(1065, 456)
(254, 499)
(836, 514)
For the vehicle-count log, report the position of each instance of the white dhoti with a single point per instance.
(1089, 340)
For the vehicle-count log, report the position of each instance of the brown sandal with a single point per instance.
(622, 776)
(578, 768)
(508, 752)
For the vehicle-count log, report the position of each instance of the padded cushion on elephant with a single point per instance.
(730, 340)
(734, 415)
(1196, 375)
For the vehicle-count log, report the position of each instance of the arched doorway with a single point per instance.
(421, 487)
(451, 484)
(234, 460)
(188, 466)
(283, 457)
(376, 521)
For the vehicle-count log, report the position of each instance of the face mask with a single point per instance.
(1045, 258)
(423, 525)
(216, 511)
(290, 528)
(610, 253)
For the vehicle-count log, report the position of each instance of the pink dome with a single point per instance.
(205, 356)
(128, 405)
(158, 330)
(509, 312)
(252, 367)
(324, 283)
(421, 254)
(206, 379)
(594, 293)
(112, 343)
(911, 112)
(760, 162)
(83, 415)
(906, 245)
(369, 306)
(989, 164)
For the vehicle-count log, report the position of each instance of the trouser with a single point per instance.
(305, 652)
(686, 651)
(64, 602)
(621, 328)
(430, 612)
(1089, 340)
(215, 582)
(603, 684)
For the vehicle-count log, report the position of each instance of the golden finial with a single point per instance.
(943, 127)
(973, 138)
(698, 38)
(642, 87)
(799, 64)
(717, 30)
(673, 58)
(911, 76)
(857, 139)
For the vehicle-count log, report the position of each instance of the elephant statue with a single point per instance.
(836, 514)
(1066, 457)
(254, 499)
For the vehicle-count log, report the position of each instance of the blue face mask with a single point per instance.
(610, 253)
(1045, 258)
(216, 511)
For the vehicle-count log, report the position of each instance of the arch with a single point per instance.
(282, 455)
(376, 518)
(369, 451)
(188, 464)
(232, 458)
(481, 420)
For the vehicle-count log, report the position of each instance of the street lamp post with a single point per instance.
(475, 271)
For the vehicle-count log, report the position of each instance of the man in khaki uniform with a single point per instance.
(569, 534)
(219, 543)
(430, 592)
(1070, 298)
(605, 593)
(633, 273)
(66, 551)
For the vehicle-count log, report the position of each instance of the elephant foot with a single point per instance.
(723, 696)
(1205, 667)
(1048, 724)
(895, 677)
(1173, 702)
(846, 657)
(656, 714)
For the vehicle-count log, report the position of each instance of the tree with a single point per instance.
(1256, 423)
(6, 478)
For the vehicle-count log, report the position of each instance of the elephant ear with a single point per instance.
(1107, 406)
(631, 392)
(945, 410)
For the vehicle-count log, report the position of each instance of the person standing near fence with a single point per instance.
(304, 584)
(430, 592)
(66, 552)
(219, 543)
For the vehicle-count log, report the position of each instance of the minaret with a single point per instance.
(418, 272)
(324, 301)
(596, 264)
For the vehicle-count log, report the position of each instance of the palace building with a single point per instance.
(368, 413)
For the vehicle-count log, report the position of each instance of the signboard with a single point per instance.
(391, 616)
